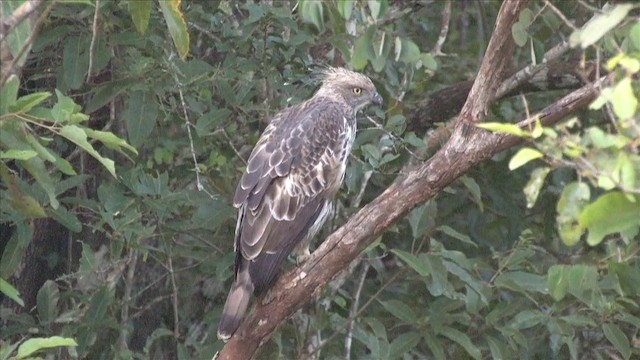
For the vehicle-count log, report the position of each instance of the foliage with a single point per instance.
(121, 147)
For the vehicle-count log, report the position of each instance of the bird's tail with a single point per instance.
(236, 304)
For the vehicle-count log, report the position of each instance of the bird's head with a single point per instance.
(354, 88)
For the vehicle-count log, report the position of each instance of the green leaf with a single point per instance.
(312, 12)
(527, 319)
(99, 304)
(106, 92)
(345, 8)
(573, 199)
(400, 310)
(363, 50)
(9, 291)
(64, 109)
(42, 151)
(404, 343)
(497, 348)
(623, 100)
(519, 33)
(510, 129)
(110, 140)
(15, 249)
(47, 302)
(34, 345)
(628, 278)
(36, 167)
(522, 282)
(610, 213)
(18, 154)
(75, 61)
(634, 35)
(618, 339)
(429, 61)
(27, 102)
(523, 156)
(474, 190)
(77, 135)
(456, 235)
(462, 339)
(414, 262)
(406, 51)
(558, 281)
(600, 24)
(374, 8)
(69, 220)
(177, 25)
(9, 93)
(435, 346)
(140, 116)
(533, 187)
(140, 11)
(420, 219)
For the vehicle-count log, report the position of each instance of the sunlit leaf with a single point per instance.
(573, 199)
(9, 291)
(34, 345)
(523, 156)
(177, 25)
(624, 101)
(510, 129)
(533, 187)
(140, 11)
(601, 24)
(18, 154)
(27, 102)
(77, 135)
(610, 213)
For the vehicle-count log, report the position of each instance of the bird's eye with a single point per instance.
(357, 91)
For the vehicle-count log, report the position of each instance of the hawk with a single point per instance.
(286, 192)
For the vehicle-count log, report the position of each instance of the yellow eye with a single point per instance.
(357, 91)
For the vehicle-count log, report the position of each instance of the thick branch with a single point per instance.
(468, 146)
(553, 74)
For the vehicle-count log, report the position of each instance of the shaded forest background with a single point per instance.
(125, 126)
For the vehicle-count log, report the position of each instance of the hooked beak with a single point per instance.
(377, 99)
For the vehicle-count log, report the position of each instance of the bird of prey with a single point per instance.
(286, 192)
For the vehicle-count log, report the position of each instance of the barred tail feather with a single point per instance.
(236, 305)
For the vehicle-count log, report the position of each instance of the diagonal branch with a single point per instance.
(467, 147)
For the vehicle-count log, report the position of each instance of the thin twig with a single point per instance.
(354, 310)
(128, 286)
(6, 73)
(444, 30)
(560, 15)
(188, 124)
(362, 309)
(18, 16)
(94, 36)
(174, 296)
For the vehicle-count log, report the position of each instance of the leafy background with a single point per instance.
(123, 129)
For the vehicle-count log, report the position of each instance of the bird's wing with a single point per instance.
(294, 168)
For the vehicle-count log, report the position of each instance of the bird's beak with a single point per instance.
(377, 99)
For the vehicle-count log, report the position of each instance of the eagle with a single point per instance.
(286, 192)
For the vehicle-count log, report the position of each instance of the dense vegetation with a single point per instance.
(125, 125)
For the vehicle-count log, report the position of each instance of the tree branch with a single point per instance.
(467, 147)
(18, 16)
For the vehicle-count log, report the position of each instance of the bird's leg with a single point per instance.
(302, 254)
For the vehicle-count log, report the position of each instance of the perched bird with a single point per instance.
(286, 193)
